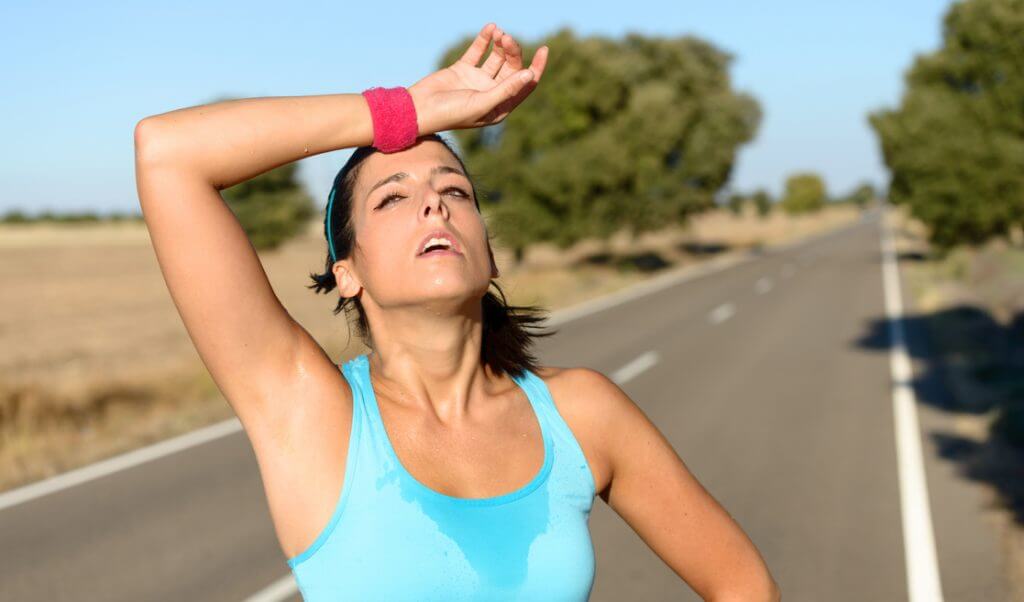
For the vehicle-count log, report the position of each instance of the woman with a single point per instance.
(444, 464)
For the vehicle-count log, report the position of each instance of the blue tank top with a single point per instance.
(393, 538)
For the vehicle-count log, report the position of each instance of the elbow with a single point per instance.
(146, 141)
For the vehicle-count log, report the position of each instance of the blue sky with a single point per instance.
(80, 75)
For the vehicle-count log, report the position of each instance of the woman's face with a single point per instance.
(400, 198)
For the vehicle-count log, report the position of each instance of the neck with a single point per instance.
(430, 360)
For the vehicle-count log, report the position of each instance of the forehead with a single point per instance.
(417, 161)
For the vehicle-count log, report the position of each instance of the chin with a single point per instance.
(453, 293)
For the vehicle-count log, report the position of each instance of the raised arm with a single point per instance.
(246, 338)
(250, 344)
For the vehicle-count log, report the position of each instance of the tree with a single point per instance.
(271, 207)
(863, 194)
(736, 202)
(805, 192)
(763, 201)
(955, 145)
(634, 133)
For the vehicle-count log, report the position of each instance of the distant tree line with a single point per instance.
(18, 216)
(804, 192)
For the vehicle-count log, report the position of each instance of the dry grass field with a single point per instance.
(94, 359)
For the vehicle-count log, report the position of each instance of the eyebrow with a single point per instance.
(402, 175)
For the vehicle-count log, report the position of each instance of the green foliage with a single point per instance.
(860, 196)
(762, 201)
(635, 133)
(863, 194)
(736, 202)
(272, 207)
(805, 192)
(18, 216)
(955, 145)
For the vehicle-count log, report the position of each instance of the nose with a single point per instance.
(434, 203)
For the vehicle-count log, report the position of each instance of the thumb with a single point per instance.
(508, 88)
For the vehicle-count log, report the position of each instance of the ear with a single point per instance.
(348, 283)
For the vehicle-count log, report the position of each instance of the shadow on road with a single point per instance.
(969, 363)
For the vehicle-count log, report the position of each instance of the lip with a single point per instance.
(456, 248)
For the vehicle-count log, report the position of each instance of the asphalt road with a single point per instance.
(771, 379)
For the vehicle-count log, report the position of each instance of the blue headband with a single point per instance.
(327, 225)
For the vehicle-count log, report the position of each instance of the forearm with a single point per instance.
(766, 593)
(234, 140)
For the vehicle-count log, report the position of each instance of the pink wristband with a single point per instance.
(394, 118)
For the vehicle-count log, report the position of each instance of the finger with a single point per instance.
(536, 70)
(504, 108)
(513, 57)
(507, 89)
(497, 57)
(479, 45)
(510, 104)
(540, 61)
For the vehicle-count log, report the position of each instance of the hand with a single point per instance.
(465, 96)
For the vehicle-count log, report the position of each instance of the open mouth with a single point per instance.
(439, 250)
(438, 244)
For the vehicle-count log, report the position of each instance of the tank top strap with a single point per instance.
(357, 372)
(573, 462)
(356, 441)
(354, 376)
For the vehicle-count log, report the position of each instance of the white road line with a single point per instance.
(648, 287)
(764, 284)
(121, 462)
(232, 425)
(923, 581)
(682, 274)
(285, 587)
(635, 368)
(721, 313)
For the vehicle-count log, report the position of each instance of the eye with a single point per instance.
(393, 196)
(388, 199)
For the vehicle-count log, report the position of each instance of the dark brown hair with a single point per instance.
(508, 331)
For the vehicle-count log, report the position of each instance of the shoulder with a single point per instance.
(587, 387)
(599, 413)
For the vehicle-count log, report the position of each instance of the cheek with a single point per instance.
(382, 253)
(481, 245)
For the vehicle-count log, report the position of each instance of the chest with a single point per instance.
(304, 472)
(486, 457)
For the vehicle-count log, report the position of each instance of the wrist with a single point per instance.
(393, 113)
(418, 104)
